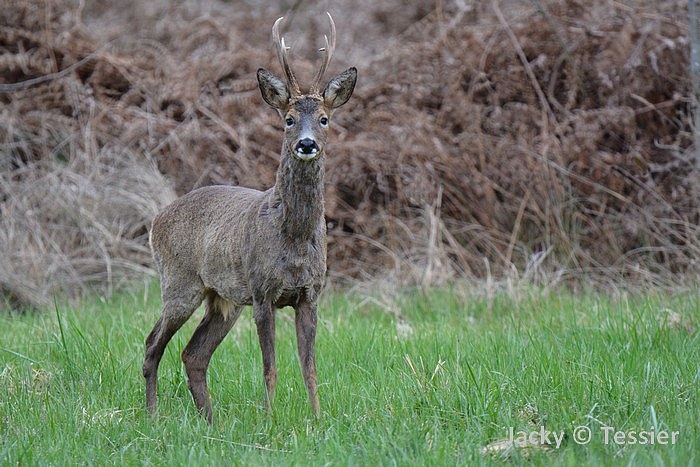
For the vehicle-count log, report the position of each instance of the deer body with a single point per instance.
(237, 246)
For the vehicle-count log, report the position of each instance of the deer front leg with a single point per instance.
(264, 314)
(305, 320)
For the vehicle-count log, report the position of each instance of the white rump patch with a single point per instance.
(227, 309)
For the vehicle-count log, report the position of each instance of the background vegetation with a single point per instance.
(540, 140)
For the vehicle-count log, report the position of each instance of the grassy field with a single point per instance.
(437, 380)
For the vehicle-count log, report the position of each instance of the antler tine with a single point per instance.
(328, 54)
(282, 56)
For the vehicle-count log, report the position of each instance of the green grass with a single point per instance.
(430, 388)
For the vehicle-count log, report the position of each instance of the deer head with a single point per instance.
(306, 115)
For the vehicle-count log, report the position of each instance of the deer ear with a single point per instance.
(273, 89)
(339, 89)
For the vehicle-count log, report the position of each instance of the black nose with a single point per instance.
(307, 146)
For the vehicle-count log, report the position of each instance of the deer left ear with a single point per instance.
(273, 89)
(339, 89)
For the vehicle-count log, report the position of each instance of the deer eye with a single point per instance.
(323, 121)
(289, 122)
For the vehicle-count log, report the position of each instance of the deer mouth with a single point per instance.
(306, 156)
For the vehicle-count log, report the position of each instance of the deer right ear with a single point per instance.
(273, 89)
(339, 89)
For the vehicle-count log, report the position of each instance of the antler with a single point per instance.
(328, 49)
(282, 56)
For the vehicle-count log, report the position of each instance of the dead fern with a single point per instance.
(547, 138)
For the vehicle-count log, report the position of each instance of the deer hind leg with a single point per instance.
(177, 308)
(218, 320)
(305, 320)
(264, 314)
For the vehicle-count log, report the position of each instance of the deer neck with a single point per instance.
(299, 192)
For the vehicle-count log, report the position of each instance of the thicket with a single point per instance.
(550, 140)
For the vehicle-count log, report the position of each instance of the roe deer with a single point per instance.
(236, 246)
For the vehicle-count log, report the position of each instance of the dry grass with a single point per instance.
(77, 221)
(545, 139)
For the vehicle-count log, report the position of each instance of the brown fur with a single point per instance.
(236, 246)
